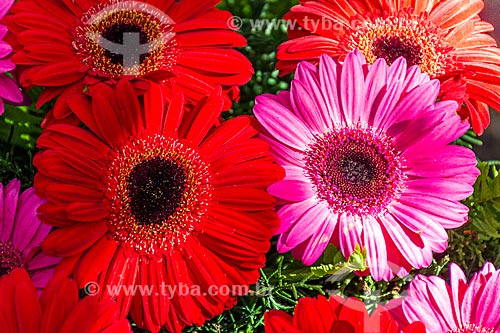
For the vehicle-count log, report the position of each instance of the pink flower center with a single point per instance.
(10, 258)
(355, 170)
(472, 328)
(158, 191)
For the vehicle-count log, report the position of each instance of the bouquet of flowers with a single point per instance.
(247, 166)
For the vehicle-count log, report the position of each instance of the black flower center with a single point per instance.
(392, 47)
(10, 258)
(156, 188)
(116, 34)
(355, 169)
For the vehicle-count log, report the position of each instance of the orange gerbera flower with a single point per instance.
(445, 38)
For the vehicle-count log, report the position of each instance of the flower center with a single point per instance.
(10, 258)
(115, 34)
(472, 328)
(126, 38)
(355, 170)
(413, 37)
(156, 187)
(158, 191)
(390, 48)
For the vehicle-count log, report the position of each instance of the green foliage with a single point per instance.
(19, 130)
(262, 27)
(485, 203)
(469, 140)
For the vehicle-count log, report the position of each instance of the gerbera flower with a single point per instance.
(367, 161)
(148, 197)
(9, 91)
(57, 311)
(64, 45)
(336, 314)
(445, 38)
(457, 307)
(21, 234)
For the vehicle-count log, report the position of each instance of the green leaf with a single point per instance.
(484, 205)
(19, 127)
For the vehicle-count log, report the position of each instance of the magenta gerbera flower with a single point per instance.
(457, 307)
(21, 234)
(368, 161)
(9, 91)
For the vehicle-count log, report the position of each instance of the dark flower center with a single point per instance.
(126, 38)
(413, 37)
(116, 32)
(392, 47)
(10, 258)
(156, 188)
(355, 170)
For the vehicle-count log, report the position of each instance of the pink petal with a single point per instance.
(9, 89)
(328, 78)
(488, 306)
(308, 76)
(26, 222)
(284, 155)
(349, 233)
(415, 101)
(383, 113)
(289, 213)
(414, 77)
(5, 49)
(10, 198)
(445, 161)
(6, 65)
(458, 284)
(421, 305)
(5, 6)
(307, 107)
(376, 250)
(376, 80)
(42, 261)
(419, 222)
(449, 188)
(312, 249)
(448, 213)
(397, 70)
(292, 190)
(304, 227)
(293, 172)
(281, 123)
(352, 87)
(408, 243)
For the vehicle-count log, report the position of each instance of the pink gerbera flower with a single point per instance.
(21, 234)
(457, 307)
(9, 91)
(368, 161)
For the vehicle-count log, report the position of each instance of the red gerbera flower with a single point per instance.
(148, 197)
(57, 311)
(321, 315)
(64, 45)
(445, 38)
